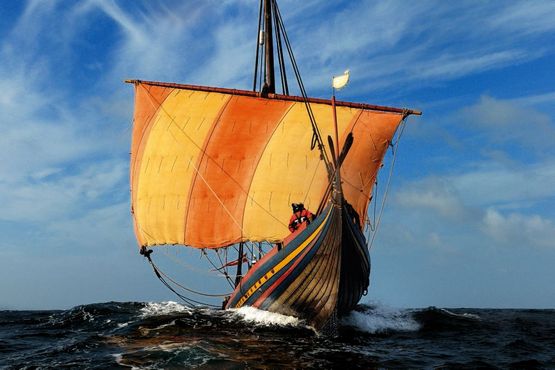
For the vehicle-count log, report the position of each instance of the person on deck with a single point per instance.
(299, 216)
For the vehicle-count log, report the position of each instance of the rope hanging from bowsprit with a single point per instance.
(162, 277)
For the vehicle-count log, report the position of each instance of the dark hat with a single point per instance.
(297, 207)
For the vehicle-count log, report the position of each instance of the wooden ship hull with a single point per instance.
(321, 271)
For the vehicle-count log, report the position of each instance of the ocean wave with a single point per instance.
(163, 308)
(463, 315)
(380, 319)
(170, 335)
(264, 318)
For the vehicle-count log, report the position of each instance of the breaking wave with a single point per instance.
(171, 335)
(381, 319)
(163, 308)
(260, 317)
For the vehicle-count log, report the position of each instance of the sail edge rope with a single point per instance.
(387, 186)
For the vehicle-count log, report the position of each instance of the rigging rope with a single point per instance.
(311, 181)
(159, 274)
(189, 289)
(178, 261)
(220, 201)
(282, 37)
(217, 251)
(317, 137)
(394, 148)
(281, 61)
(228, 278)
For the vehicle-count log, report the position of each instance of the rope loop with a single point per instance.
(190, 302)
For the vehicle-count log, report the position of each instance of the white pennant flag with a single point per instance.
(339, 82)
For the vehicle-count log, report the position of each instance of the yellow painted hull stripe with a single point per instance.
(282, 264)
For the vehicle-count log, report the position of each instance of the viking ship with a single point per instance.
(243, 157)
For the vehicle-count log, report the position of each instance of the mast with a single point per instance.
(269, 48)
(239, 274)
(270, 30)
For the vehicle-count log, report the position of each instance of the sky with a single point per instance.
(469, 219)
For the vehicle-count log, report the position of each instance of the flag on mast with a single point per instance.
(339, 82)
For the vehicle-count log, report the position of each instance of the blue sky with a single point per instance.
(470, 218)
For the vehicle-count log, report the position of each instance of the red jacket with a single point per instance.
(298, 218)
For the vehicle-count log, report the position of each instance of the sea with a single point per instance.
(168, 335)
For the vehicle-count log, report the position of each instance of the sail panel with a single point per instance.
(229, 160)
(372, 132)
(289, 172)
(172, 150)
(216, 168)
(147, 102)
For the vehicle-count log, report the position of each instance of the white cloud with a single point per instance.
(433, 194)
(506, 122)
(519, 229)
(489, 200)
(60, 158)
(387, 45)
(448, 66)
(523, 18)
(534, 99)
(360, 26)
(49, 200)
(192, 42)
(109, 226)
(131, 28)
(492, 183)
(230, 62)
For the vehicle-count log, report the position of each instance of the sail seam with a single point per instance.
(197, 171)
(239, 186)
(138, 156)
(218, 199)
(199, 161)
(258, 162)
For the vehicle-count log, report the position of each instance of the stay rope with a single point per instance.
(162, 277)
(180, 262)
(317, 137)
(394, 147)
(189, 289)
(223, 272)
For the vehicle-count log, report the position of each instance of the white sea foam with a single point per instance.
(464, 315)
(121, 362)
(163, 308)
(265, 318)
(381, 319)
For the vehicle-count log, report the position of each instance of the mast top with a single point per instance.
(270, 30)
(269, 78)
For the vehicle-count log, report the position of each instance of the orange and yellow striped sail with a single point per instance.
(213, 167)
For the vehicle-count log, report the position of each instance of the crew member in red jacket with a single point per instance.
(300, 215)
